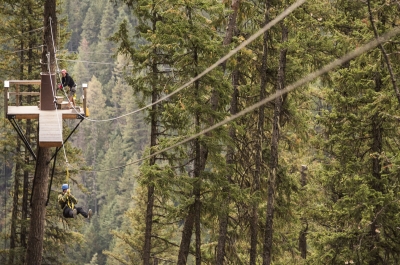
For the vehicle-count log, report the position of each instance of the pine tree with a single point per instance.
(359, 203)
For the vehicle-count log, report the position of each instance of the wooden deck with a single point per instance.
(50, 119)
(50, 122)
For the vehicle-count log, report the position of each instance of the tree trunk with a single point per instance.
(267, 250)
(40, 182)
(150, 187)
(153, 143)
(303, 232)
(377, 149)
(39, 198)
(193, 216)
(224, 215)
(200, 153)
(186, 236)
(258, 146)
(25, 190)
(14, 214)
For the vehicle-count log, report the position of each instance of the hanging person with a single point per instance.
(67, 81)
(67, 202)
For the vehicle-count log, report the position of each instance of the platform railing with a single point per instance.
(17, 91)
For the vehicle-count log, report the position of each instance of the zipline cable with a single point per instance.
(21, 34)
(54, 94)
(90, 62)
(281, 16)
(347, 57)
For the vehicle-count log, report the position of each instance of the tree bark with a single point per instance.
(14, 214)
(150, 187)
(153, 143)
(303, 232)
(25, 190)
(377, 149)
(200, 158)
(267, 250)
(39, 198)
(40, 183)
(224, 215)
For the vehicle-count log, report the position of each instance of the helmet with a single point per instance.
(64, 186)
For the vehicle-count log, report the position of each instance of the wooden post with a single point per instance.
(84, 87)
(6, 86)
(47, 91)
(17, 95)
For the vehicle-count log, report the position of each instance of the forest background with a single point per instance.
(311, 177)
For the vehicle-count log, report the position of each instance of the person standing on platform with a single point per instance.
(67, 81)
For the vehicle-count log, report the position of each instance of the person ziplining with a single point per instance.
(67, 203)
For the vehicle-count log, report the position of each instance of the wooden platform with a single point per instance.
(50, 122)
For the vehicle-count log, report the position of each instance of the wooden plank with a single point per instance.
(50, 129)
(25, 82)
(33, 112)
(26, 116)
(25, 93)
(50, 144)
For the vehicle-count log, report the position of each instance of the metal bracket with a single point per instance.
(54, 162)
(21, 135)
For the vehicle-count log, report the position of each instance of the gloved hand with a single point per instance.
(68, 192)
(60, 86)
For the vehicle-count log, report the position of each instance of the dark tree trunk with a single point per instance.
(150, 187)
(153, 143)
(29, 130)
(186, 236)
(193, 217)
(40, 183)
(303, 232)
(224, 214)
(267, 250)
(25, 190)
(14, 214)
(258, 146)
(39, 198)
(200, 158)
(24, 214)
(376, 172)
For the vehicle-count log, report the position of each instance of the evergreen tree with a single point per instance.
(357, 135)
(105, 48)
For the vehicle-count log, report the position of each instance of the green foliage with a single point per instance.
(343, 127)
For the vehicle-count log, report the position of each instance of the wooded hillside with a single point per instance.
(307, 177)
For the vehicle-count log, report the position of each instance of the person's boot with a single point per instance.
(89, 213)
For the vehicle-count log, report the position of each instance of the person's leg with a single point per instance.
(68, 213)
(71, 101)
(81, 211)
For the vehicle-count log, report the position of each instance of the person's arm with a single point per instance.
(71, 82)
(61, 201)
(73, 199)
(63, 81)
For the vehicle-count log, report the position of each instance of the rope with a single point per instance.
(21, 34)
(281, 16)
(54, 96)
(37, 47)
(91, 62)
(347, 57)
